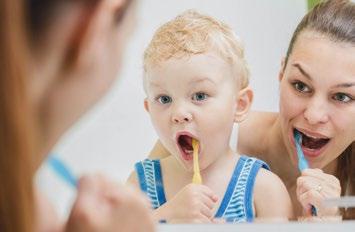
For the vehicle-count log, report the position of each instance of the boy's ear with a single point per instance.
(146, 105)
(244, 100)
(282, 68)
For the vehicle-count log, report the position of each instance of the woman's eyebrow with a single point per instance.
(345, 85)
(304, 73)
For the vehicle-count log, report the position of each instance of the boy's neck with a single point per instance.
(223, 166)
(229, 157)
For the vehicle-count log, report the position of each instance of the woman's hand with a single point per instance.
(313, 186)
(193, 204)
(102, 205)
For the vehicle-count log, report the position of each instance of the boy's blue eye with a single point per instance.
(199, 96)
(301, 87)
(164, 99)
(342, 97)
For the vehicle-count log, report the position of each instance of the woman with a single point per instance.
(57, 59)
(317, 98)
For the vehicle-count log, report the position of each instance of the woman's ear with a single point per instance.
(146, 105)
(244, 100)
(282, 69)
(93, 30)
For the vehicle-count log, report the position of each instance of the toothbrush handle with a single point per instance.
(62, 171)
(313, 210)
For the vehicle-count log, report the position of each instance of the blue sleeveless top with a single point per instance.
(237, 203)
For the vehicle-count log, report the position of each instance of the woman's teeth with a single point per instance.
(313, 142)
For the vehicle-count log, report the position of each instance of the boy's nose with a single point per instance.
(316, 112)
(181, 115)
(181, 119)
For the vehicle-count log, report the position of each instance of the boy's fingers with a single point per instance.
(208, 202)
(206, 211)
(208, 192)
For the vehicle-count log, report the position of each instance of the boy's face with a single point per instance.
(193, 97)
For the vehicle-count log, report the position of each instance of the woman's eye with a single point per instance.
(164, 99)
(199, 96)
(342, 97)
(301, 87)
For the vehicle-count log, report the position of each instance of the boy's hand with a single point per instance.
(102, 205)
(193, 204)
(313, 186)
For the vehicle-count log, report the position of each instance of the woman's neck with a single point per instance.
(278, 156)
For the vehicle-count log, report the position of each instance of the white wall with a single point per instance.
(117, 132)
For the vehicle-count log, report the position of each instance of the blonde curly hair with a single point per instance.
(192, 33)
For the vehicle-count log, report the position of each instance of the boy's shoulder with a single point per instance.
(271, 197)
(143, 164)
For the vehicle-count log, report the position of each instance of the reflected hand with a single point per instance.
(102, 205)
(313, 186)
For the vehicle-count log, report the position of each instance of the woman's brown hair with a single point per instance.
(16, 151)
(336, 20)
(22, 26)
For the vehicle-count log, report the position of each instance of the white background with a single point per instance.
(117, 132)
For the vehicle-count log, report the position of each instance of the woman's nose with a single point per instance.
(317, 111)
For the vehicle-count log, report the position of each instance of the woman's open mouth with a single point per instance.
(184, 142)
(312, 145)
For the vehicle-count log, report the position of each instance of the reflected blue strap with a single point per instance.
(62, 171)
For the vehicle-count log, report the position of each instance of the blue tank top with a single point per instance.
(237, 203)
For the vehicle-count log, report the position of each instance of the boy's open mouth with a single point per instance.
(311, 142)
(185, 145)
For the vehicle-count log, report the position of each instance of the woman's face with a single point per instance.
(61, 93)
(317, 98)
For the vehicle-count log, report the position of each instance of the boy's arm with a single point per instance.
(271, 199)
(158, 151)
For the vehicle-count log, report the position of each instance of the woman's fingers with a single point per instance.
(313, 187)
(103, 205)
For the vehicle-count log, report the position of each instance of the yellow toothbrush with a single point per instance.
(196, 179)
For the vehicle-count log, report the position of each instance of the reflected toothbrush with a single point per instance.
(196, 179)
(302, 162)
(62, 171)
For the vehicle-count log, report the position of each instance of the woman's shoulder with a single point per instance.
(257, 118)
(253, 131)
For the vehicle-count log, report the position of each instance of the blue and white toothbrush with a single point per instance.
(302, 162)
(62, 171)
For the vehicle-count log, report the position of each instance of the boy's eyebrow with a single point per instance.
(304, 73)
(202, 79)
(154, 84)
